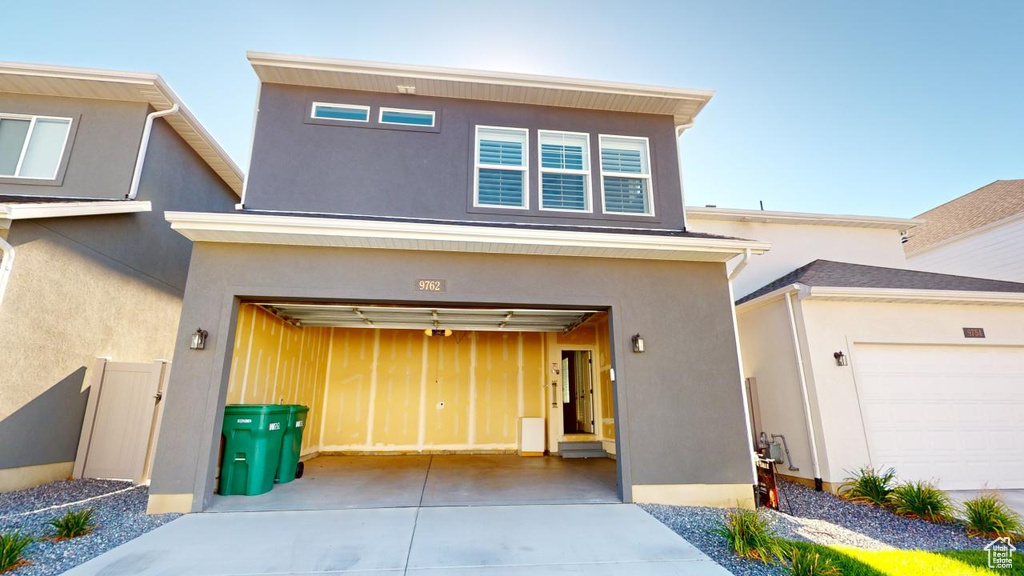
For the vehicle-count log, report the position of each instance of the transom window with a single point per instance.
(564, 170)
(344, 112)
(501, 167)
(32, 146)
(626, 175)
(407, 117)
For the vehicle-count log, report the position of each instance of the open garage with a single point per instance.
(421, 406)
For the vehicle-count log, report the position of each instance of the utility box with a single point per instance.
(252, 447)
(531, 436)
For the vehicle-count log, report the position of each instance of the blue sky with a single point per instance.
(865, 107)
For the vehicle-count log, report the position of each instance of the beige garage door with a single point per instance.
(954, 414)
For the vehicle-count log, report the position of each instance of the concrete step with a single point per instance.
(584, 454)
(570, 446)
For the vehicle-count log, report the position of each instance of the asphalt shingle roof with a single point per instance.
(991, 203)
(845, 275)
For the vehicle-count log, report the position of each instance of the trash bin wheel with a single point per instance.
(299, 469)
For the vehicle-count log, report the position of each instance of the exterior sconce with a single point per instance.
(840, 359)
(198, 341)
(638, 344)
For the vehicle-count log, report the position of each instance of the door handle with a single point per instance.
(159, 396)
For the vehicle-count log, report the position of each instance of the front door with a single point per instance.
(577, 392)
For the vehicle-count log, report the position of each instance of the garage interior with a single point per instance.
(432, 406)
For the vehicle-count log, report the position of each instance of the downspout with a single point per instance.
(682, 196)
(739, 360)
(6, 265)
(141, 159)
(798, 356)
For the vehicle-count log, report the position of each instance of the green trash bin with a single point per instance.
(252, 447)
(291, 446)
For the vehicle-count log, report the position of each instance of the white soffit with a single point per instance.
(27, 210)
(90, 83)
(681, 103)
(421, 318)
(887, 295)
(805, 218)
(348, 233)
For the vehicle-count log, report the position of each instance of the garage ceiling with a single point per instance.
(416, 318)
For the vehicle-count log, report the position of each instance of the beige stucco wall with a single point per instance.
(65, 305)
(830, 326)
(794, 245)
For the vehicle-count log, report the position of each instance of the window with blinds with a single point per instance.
(626, 175)
(564, 171)
(501, 167)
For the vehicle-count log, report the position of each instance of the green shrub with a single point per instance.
(988, 516)
(749, 535)
(73, 524)
(921, 500)
(810, 563)
(12, 544)
(868, 486)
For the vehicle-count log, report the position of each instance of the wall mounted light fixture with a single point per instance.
(198, 339)
(638, 344)
(840, 359)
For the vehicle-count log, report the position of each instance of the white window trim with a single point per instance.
(431, 113)
(28, 138)
(525, 168)
(650, 169)
(312, 111)
(588, 205)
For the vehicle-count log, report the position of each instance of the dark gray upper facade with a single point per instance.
(306, 165)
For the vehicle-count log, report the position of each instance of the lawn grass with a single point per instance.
(857, 562)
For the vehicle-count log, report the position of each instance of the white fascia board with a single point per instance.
(805, 218)
(913, 295)
(29, 210)
(348, 233)
(768, 298)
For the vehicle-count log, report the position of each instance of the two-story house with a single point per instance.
(89, 161)
(443, 261)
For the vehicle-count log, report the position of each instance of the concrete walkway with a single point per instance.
(591, 539)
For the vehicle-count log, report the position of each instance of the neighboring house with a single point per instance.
(89, 265)
(978, 234)
(889, 367)
(440, 260)
(800, 237)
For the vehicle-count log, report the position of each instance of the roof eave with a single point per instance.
(377, 234)
(29, 210)
(260, 61)
(802, 218)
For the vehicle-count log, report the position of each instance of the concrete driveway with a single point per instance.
(591, 539)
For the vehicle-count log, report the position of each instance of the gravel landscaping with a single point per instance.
(120, 514)
(817, 517)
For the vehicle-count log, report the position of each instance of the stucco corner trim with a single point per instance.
(352, 233)
(169, 504)
(715, 495)
(28, 210)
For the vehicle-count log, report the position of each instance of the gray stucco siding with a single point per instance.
(352, 168)
(100, 156)
(679, 408)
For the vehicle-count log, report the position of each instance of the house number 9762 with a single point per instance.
(431, 285)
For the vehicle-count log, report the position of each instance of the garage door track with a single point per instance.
(592, 539)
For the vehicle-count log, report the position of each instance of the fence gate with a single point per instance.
(121, 420)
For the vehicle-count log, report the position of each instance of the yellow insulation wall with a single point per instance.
(372, 390)
(274, 362)
(401, 390)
